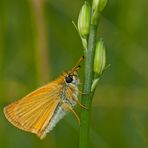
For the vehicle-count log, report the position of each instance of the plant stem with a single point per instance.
(88, 95)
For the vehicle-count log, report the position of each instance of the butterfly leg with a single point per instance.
(82, 93)
(79, 103)
(74, 98)
(67, 107)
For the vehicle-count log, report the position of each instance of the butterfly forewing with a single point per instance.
(33, 112)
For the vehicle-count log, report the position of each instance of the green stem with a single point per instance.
(88, 95)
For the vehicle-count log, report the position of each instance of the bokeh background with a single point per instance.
(38, 42)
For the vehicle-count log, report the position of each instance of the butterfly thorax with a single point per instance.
(69, 88)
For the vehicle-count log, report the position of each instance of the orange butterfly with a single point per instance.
(39, 111)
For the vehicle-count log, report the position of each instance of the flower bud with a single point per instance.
(99, 58)
(84, 20)
(99, 5)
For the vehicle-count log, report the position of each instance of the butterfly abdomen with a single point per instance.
(58, 115)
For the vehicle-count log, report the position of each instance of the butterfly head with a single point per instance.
(72, 75)
(71, 78)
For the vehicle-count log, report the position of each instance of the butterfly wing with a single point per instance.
(34, 112)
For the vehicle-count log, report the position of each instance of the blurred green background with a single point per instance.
(38, 42)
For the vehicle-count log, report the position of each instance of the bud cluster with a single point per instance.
(89, 17)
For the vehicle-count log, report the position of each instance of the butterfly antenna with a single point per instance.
(77, 66)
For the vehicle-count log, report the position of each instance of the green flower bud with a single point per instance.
(99, 5)
(84, 20)
(99, 58)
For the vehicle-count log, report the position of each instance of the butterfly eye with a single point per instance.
(68, 79)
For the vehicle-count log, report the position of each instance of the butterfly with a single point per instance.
(42, 109)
